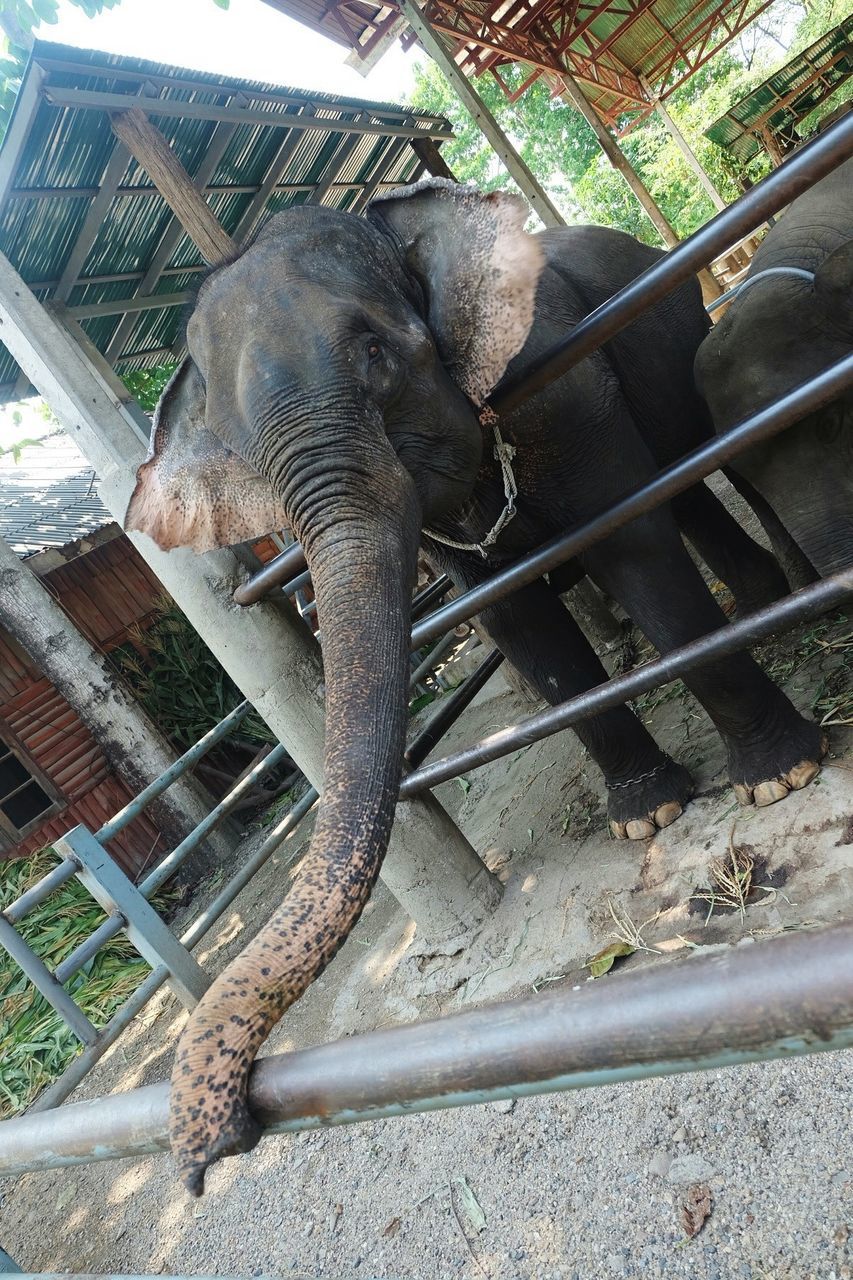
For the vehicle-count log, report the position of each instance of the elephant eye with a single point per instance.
(373, 350)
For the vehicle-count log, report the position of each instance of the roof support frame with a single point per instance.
(533, 190)
(93, 100)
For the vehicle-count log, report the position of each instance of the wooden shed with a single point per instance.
(53, 774)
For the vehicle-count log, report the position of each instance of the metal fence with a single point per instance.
(650, 1022)
(127, 905)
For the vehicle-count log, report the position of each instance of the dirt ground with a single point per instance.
(581, 1186)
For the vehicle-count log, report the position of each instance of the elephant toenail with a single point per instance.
(617, 830)
(771, 791)
(743, 794)
(639, 829)
(802, 774)
(667, 813)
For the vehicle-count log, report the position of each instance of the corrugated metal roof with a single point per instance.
(54, 158)
(789, 95)
(48, 498)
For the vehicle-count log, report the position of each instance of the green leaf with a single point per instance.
(603, 962)
(222, 4)
(46, 10)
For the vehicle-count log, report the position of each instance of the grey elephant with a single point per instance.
(792, 319)
(335, 374)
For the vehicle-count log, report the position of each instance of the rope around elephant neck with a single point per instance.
(504, 454)
(776, 271)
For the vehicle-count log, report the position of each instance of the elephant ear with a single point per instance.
(833, 284)
(192, 491)
(477, 267)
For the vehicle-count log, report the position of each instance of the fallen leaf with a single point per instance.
(471, 1205)
(392, 1227)
(695, 1208)
(603, 962)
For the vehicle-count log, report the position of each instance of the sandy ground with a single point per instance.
(582, 1186)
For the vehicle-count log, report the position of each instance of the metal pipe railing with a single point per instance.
(804, 399)
(450, 709)
(729, 639)
(81, 955)
(42, 889)
(45, 982)
(175, 771)
(162, 872)
(799, 172)
(790, 995)
(432, 659)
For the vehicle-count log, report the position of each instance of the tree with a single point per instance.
(560, 148)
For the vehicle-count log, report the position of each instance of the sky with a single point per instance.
(249, 39)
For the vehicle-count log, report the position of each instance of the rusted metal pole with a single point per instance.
(775, 999)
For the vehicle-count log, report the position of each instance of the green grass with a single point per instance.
(35, 1044)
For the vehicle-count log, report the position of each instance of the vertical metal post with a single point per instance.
(45, 982)
(153, 939)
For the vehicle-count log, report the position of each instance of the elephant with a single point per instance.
(792, 318)
(337, 375)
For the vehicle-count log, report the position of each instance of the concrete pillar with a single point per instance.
(689, 154)
(266, 650)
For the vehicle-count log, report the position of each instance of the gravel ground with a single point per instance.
(602, 1183)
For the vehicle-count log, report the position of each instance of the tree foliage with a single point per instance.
(560, 148)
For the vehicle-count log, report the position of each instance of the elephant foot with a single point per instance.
(639, 807)
(797, 766)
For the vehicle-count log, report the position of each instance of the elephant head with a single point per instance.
(332, 381)
(783, 331)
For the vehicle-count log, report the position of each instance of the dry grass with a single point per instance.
(731, 880)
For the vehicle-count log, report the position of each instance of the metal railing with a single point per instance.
(650, 1022)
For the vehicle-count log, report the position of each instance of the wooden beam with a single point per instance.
(93, 222)
(573, 93)
(429, 154)
(535, 193)
(216, 147)
(89, 99)
(153, 152)
(686, 150)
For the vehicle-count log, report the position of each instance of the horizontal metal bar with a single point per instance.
(297, 583)
(613, 693)
(799, 172)
(175, 771)
(274, 574)
(211, 189)
(118, 277)
(188, 83)
(162, 872)
(790, 995)
(450, 709)
(45, 982)
(827, 386)
(105, 932)
(119, 306)
(37, 893)
(90, 99)
(430, 595)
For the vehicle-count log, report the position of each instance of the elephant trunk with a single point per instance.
(363, 570)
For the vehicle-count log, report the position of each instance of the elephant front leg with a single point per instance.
(771, 748)
(646, 789)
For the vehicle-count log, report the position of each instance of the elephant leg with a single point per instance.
(799, 570)
(771, 748)
(538, 635)
(751, 573)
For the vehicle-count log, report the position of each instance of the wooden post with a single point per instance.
(575, 95)
(429, 154)
(688, 153)
(770, 143)
(175, 185)
(538, 198)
